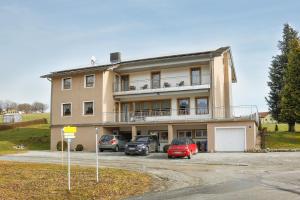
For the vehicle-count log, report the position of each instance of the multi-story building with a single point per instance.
(185, 95)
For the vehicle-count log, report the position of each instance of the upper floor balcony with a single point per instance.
(187, 115)
(127, 84)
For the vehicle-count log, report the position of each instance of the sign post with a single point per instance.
(69, 134)
(97, 161)
(62, 146)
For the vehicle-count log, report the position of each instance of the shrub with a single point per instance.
(79, 147)
(276, 128)
(58, 146)
(166, 147)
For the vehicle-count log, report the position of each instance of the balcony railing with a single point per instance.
(219, 113)
(165, 83)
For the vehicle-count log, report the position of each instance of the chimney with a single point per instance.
(115, 57)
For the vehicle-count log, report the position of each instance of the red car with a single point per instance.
(182, 147)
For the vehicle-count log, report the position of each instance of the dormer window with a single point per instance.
(89, 81)
(67, 83)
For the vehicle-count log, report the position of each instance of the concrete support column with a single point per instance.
(192, 106)
(173, 106)
(170, 133)
(101, 131)
(133, 131)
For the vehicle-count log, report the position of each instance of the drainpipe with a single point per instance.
(211, 62)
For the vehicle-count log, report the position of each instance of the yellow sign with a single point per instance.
(70, 129)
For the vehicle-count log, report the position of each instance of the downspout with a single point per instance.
(212, 86)
(51, 101)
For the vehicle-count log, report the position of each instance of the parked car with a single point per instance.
(112, 142)
(182, 147)
(142, 145)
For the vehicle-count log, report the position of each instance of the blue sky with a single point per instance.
(38, 37)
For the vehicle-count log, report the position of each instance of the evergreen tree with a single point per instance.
(290, 95)
(278, 65)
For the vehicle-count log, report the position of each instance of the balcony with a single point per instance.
(164, 84)
(186, 115)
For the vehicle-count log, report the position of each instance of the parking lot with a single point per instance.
(205, 176)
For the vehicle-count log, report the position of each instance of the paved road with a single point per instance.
(205, 176)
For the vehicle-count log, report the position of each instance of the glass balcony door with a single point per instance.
(125, 82)
(155, 80)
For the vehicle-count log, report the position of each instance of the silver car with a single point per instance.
(112, 142)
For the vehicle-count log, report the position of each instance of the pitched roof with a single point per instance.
(263, 114)
(87, 68)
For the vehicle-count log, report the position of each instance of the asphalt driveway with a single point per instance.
(205, 176)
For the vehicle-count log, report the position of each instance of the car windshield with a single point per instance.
(106, 138)
(142, 139)
(179, 142)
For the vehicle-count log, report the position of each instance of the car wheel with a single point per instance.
(190, 156)
(147, 151)
(116, 148)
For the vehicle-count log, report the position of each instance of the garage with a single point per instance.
(230, 139)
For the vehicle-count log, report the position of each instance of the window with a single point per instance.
(89, 81)
(117, 83)
(125, 82)
(183, 106)
(184, 133)
(66, 109)
(67, 83)
(201, 133)
(163, 136)
(155, 80)
(202, 105)
(88, 107)
(195, 76)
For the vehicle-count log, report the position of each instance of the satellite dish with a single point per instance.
(93, 60)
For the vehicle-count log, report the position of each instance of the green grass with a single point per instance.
(283, 140)
(281, 127)
(36, 137)
(33, 116)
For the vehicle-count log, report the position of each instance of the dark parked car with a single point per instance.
(112, 142)
(142, 145)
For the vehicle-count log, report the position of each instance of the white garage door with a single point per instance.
(230, 139)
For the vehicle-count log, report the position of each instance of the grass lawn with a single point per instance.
(46, 181)
(283, 140)
(36, 137)
(28, 117)
(281, 127)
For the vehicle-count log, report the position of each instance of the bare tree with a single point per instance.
(39, 107)
(24, 107)
(8, 105)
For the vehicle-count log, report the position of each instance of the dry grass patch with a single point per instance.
(46, 181)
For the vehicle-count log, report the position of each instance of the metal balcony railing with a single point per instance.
(189, 114)
(163, 82)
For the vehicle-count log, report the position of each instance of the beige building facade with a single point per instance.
(185, 95)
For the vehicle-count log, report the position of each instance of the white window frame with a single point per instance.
(201, 137)
(85, 80)
(62, 109)
(62, 83)
(83, 113)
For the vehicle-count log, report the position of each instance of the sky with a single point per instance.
(38, 37)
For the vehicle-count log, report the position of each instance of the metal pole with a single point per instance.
(97, 162)
(62, 146)
(69, 163)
